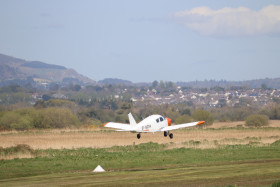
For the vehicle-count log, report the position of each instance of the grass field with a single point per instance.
(225, 154)
(241, 174)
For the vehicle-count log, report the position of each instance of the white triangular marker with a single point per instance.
(98, 169)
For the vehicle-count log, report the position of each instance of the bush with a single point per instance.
(55, 118)
(24, 123)
(256, 120)
(21, 119)
(183, 119)
(8, 119)
(203, 115)
(232, 114)
(272, 110)
(24, 119)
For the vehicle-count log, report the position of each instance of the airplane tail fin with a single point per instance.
(131, 120)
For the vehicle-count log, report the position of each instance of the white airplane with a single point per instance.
(153, 123)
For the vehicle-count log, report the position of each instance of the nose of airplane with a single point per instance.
(169, 121)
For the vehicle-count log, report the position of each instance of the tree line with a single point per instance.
(58, 113)
(96, 105)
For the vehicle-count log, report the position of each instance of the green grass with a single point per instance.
(135, 157)
(236, 173)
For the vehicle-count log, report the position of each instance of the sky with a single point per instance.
(147, 40)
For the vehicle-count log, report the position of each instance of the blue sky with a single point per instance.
(146, 40)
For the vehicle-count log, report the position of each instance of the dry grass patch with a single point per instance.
(104, 138)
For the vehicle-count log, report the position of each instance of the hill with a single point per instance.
(115, 82)
(15, 69)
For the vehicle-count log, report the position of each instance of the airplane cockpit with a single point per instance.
(160, 119)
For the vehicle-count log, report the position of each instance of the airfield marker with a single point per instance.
(98, 169)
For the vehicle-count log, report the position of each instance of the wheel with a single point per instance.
(171, 136)
(165, 133)
(139, 136)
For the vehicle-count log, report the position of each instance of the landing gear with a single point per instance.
(170, 135)
(139, 136)
(166, 133)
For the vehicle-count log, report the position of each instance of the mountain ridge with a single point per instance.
(12, 68)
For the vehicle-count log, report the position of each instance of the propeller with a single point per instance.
(169, 121)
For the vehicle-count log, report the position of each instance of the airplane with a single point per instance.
(153, 123)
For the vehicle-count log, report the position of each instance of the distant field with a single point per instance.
(224, 154)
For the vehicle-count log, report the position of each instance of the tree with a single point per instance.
(155, 84)
(222, 103)
(264, 87)
(169, 84)
(46, 97)
(161, 84)
(218, 89)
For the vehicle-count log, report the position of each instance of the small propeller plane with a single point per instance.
(153, 123)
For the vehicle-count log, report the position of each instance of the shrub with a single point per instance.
(9, 118)
(256, 120)
(183, 119)
(24, 123)
(24, 119)
(232, 113)
(203, 115)
(21, 119)
(272, 110)
(55, 118)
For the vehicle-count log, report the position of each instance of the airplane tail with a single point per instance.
(131, 120)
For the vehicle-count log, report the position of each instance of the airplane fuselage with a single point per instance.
(152, 123)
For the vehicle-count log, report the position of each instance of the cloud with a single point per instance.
(231, 21)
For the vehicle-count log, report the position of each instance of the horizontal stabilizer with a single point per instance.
(119, 126)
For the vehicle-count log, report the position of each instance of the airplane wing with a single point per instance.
(174, 127)
(119, 126)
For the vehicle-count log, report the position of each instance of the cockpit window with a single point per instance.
(161, 118)
(157, 120)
